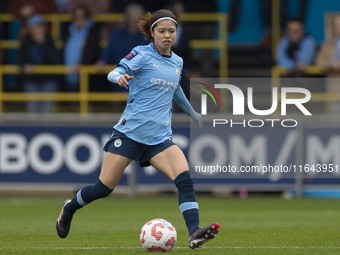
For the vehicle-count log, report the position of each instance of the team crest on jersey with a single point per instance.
(131, 55)
(118, 143)
(178, 71)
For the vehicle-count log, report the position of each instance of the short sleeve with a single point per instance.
(132, 61)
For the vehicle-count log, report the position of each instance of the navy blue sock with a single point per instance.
(187, 201)
(88, 194)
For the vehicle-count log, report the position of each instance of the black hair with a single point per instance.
(148, 19)
(295, 19)
(84, 8)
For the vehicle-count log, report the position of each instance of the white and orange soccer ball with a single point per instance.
(158, 235)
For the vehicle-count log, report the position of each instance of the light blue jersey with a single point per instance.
(147, 116)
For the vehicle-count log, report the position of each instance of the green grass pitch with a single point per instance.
(256, 225)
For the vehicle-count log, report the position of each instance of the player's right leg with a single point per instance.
(111, 172)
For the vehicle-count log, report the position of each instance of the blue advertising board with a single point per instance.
(73, 154)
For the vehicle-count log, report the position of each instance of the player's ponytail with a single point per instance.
(149, 21)
(144, 26)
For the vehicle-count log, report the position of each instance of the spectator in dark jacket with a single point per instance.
(125, 38)
(122, 40)
(37, 48)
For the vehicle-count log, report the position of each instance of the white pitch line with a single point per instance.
(184, 247)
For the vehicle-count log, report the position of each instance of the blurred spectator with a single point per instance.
(329, 55)
(62, 5)
(24, 9)
(124, 39)
(329, 59)
(266, 7)
(37, 48)
(82, 45)
(96, 7)
(296, 50)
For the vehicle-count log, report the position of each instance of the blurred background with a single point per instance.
(57, 108)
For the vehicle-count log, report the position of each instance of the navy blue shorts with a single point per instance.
(122, 145)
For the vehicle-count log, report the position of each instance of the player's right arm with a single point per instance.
(119, 76)
(127, 66)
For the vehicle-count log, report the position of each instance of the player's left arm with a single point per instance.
(183, 102)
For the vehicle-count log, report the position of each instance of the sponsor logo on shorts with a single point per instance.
(118, 143)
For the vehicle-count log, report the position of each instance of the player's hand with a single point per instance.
(197, 118)
(124, 80)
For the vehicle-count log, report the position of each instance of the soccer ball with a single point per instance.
(158, 235)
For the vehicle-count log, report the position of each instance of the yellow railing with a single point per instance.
(220, 44)
(277, 71)
(83, 96)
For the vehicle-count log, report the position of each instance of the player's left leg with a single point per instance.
(173, 164)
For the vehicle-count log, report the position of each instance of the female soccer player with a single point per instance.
(152, 74)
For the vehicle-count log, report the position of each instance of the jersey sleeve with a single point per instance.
(115, 74)
(132, 61)
(183, 102)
